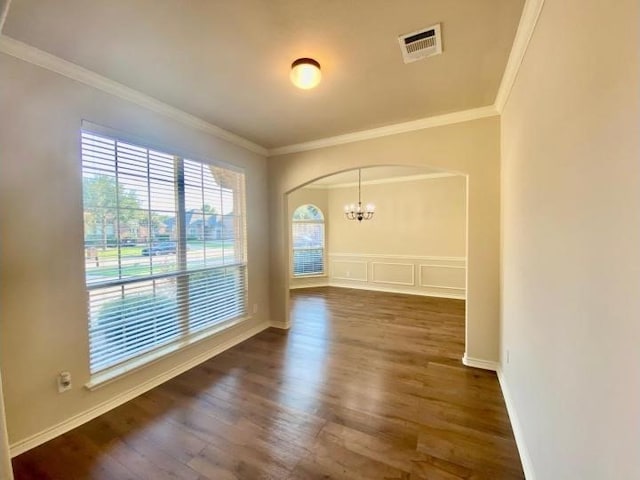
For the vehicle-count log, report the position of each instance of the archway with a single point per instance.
(413, 243)
(471, 149)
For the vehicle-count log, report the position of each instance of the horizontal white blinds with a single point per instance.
(129, 319)
(164, 247)
(308, 248)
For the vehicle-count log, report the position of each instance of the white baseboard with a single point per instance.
(480, 363)
(281, 325)
(33, 441)
(406, 291)
(525, 459)
(309, 285)
(516, 426)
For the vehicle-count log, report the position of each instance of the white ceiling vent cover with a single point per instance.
(421, 44)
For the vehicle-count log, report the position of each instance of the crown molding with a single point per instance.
(75, 72)
(380, 181)
(528, 20)
(80, 74)
(428, 122)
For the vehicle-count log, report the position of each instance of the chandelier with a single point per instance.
(353, 212)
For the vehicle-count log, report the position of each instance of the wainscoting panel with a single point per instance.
(348, 270)
(442, 275)
(418, 275)
(393, 273)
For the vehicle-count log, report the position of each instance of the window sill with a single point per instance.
(310, 275)
(112, 374)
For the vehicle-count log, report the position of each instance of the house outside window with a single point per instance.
(155, 274)
(307, 240)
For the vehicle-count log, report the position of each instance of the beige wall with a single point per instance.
(425, 217)
(315, 196)
(416, 243)
(470, 148)
(42, 300)
(571, 243)
(319, 198)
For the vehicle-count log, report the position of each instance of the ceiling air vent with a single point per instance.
(421, 44)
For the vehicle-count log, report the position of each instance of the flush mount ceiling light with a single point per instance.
(305, 73)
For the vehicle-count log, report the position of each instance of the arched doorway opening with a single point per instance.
(415, 243)
(470, 148)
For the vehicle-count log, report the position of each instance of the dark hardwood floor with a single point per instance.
(365, 385)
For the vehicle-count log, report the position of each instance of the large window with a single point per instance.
(164, 248)
(307, 235)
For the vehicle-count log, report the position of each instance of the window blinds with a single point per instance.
(307, 232)
(164, 248)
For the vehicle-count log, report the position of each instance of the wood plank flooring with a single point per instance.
(365, 385)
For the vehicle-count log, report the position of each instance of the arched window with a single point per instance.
(307, 239)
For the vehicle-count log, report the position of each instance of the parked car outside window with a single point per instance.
(165, 248)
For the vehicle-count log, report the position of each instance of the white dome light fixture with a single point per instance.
(305, 73)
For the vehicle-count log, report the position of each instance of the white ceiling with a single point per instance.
(227, 61)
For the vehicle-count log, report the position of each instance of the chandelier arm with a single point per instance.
(358, 213)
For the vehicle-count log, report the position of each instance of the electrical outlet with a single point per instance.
(508, 355)
(64, 382)
(255, 308)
